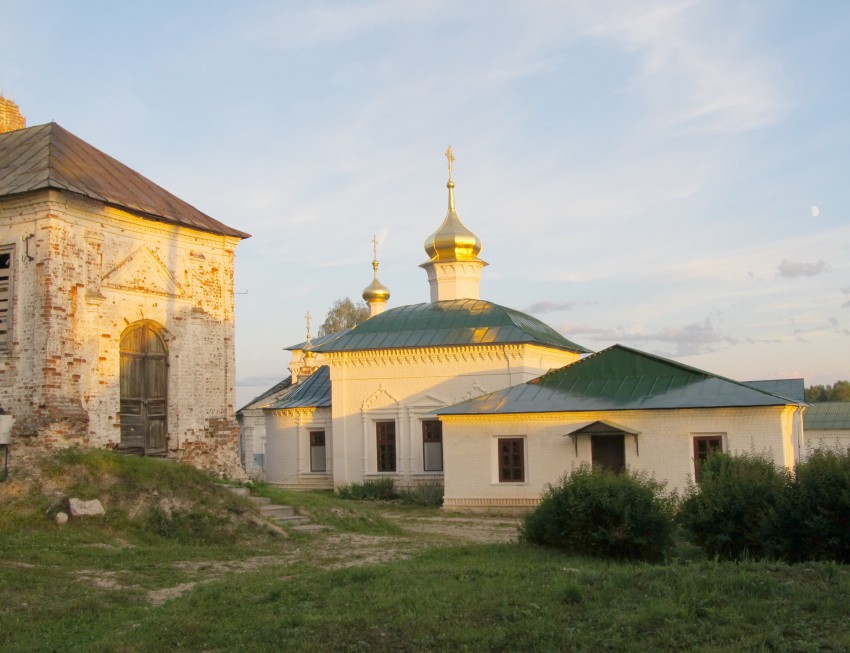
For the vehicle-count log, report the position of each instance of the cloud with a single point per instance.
(548, 307)
(846, 291)
(697, 65)
(265, 381)
(791, 269)
(687, 340)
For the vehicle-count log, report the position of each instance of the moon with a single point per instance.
(815, 211)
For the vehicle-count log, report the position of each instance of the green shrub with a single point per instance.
(599, 513)
(379, 489)
(815, 513)
(734, 512)
(425, 494)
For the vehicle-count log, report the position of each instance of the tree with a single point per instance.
(344, 314)
(839, 391)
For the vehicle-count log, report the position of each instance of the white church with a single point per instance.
(493, 403)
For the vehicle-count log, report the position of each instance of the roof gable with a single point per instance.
(620, 378)
(459, 322)
(50, 157)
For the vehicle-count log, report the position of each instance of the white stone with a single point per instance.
(80, 508)
(61, 518)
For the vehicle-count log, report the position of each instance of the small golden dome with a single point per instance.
(375, 291)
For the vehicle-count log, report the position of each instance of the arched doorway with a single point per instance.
(144, 390)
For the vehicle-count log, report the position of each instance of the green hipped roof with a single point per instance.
(312, 392)
(827, 416)
(619, 378)
(444, 324)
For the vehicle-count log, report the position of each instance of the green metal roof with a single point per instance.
(827, 416)
(312, 392)
(445, 324)
(619, 378)
(794, 389)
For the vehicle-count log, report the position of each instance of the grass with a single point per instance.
(103, 585)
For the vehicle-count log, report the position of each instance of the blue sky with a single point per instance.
(673, 176)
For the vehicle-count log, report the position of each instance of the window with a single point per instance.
(317, 452)
(385, 432)
(704, 445)
(432, 445)
(511, 460)
(6, 258)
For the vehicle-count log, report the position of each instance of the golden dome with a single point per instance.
(375, 291)
(452, 241)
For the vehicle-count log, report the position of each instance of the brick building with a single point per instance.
(116, 306)
(461, 391)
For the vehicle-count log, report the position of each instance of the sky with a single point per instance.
(673, 176)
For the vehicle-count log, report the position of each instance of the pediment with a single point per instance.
(380, 399)
(427, 401)
(144, 272)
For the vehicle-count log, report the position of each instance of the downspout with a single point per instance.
(801, 435)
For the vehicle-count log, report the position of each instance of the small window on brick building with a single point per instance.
(6, 269)
(704, 446)
(432, 445)
(511, 460)
(317, 452)
(385, 438)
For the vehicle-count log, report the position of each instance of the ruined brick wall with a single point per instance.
(84, 274)
(10, 116)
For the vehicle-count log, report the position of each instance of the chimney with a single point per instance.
(10, 116)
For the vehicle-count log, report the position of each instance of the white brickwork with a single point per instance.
(664, 447)
(83, 273)
(402, 386)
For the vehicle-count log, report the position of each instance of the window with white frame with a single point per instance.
(385, 440)
(432, 445)
(318, 462)
(7, 258)
(511, 460)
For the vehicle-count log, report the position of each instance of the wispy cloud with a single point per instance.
(549, 307)
(699, 72)
(791, 269)
(846, 291)
(689, 339)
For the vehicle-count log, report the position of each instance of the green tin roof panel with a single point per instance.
(619, 378)
(445, 324)
(827, 416)
(312, 392)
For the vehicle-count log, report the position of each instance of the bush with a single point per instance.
(735, 510)
(599, 513)
(425, 494)
(815, 513)
(380, 489)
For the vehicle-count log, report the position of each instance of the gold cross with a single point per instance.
(375, 247)
(451, 158)
(308, 326)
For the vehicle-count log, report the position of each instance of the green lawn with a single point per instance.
(372, 584)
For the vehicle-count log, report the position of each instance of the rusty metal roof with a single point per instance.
(458, 322)
(619, 378)
(50, 157)
(312, 392)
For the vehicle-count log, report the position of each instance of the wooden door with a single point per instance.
(608, 452)
(144, 392)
